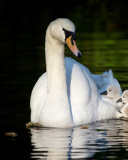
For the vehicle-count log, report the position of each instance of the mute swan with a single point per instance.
(66, 95)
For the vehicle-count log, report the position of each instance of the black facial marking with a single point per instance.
(69, 33)
(72, 41)
(104, 93)
(119, 100)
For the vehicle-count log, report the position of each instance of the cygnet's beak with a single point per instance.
(104, 93)
(119, 100)
(72, 45)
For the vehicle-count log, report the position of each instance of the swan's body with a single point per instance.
(66, 95)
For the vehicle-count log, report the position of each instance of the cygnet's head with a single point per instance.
(112, 92)
(63, 30)
(125, 96)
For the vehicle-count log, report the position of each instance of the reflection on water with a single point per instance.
(108, 138)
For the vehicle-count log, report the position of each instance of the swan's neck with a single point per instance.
(55, 64)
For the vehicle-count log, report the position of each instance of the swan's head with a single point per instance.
(63, 30)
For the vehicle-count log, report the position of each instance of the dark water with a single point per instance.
(102, 37)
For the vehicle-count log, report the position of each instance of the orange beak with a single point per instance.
(72, 45)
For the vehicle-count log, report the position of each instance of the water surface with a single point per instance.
(105, 139)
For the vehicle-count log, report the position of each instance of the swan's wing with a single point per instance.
(101, 81)
(70, 60)
(38, 97)
(82, 73)
(105, 80)
(96, 108)
(82, 92)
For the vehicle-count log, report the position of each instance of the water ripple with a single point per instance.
(77, 143)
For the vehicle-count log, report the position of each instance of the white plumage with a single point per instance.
(66, 95)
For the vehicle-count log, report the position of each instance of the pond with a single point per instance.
(102, 37)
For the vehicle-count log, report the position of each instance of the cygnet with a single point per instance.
(124, 99)
(114, 94)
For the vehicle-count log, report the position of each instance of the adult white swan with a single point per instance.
(66, 95)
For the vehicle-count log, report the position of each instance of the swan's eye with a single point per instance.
(109, 90)
(73, 36)
(69, 33)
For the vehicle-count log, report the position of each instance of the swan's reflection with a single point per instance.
(53, 143)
